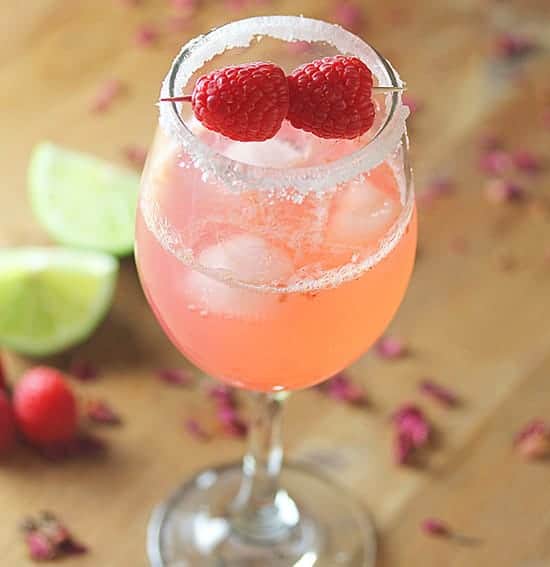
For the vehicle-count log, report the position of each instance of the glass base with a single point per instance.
(327, 527)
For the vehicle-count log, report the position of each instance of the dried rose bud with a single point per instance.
(39, 546)
(533, 441)
(53, 529)
(435, 527)
(82, 446)
(184, 4)
(196, 430)
(175, 376)
(511, 45)
(106, 93)
(136, 156)
(438, 188)
(403, 448)
(99, 411)
(495, 162)
(235, 428)
(438, 392)
(349, 15)
(490, 142)
(219, 392)
(410, 420)
(146, 35)
(342, 389)
(390, 348)
(527, 162)
(501, 191)
(84, 370)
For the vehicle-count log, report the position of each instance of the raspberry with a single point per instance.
(332, 97)
(244, 102)
(45, 407)
(7, 425)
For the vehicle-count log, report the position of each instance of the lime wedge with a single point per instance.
(83, 201)
(52, 298)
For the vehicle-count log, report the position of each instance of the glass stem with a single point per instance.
(262, 510)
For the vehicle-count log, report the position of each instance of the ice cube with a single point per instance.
(362, 214)
(244, 258)
(271, 153)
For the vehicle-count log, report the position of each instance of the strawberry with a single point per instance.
(7, 425)
(332, 97)
(45, 407)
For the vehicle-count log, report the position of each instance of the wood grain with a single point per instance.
(470, 324)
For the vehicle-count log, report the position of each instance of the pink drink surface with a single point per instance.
(239, 309)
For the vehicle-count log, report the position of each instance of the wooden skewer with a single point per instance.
(378, 89)
(382, 89)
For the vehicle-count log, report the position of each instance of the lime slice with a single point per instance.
(52, 298)
(83, 201)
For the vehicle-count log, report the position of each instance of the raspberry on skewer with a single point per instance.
(330, 97)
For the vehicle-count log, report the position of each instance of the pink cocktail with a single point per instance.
(272, 266)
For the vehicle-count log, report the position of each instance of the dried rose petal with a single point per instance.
(414, 104)
(390, 348)
(184, 4)
(490, 142)
(106, 93)
(495, 162)
(533, 441)
(177, 23)
(501, 191)
(175, 376)
(527, 162)
(435, 527)
(341, 388)
(84, 370)
(221, 393)
(39, 546)
(410, 420)
(235, 428)
(510, 45)
(99, 411)
(195, 429)
(136, 156)
(348, 15)
(82, 446)
(437, 188)
(403, 448)
(48, 538)
(146, 35)
(235, 5)
(438, 392)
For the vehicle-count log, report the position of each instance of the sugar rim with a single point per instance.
(240, 176)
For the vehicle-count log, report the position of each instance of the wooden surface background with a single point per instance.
(478, 321)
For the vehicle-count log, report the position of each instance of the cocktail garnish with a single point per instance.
(330, 97)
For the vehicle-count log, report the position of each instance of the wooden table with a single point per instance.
(476, 316)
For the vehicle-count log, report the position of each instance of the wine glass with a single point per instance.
(272, 266)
